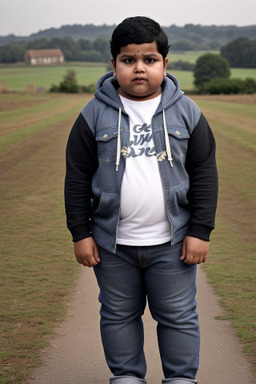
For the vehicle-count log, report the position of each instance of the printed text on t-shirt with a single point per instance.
(141, 141)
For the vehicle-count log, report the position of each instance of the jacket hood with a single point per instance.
(106, 91)
(107, 85)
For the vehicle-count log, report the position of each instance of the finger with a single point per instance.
(84, 261)
(79, 260)
(92, 261)
(188, 260)
(192, 260)
(96, 256)
(183, 253)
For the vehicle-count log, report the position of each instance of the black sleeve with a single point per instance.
(202, 170)
(81, 163)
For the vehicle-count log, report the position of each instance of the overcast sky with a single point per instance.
(23, 17)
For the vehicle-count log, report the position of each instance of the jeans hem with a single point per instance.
(126, 380)
(179, 380)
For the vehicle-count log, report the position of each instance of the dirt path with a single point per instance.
(76, 355)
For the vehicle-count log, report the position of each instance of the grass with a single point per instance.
(18, 77)
(231, 267)
(37, 268)
(190, 56)
(55, 113)
(186, 78)
(243, 73)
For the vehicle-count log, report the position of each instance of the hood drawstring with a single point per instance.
(167, 143)
(118, 148)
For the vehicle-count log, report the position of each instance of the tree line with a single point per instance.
(189, 37)
(240, 53)
(81, 50)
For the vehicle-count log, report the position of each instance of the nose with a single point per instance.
(139, 68)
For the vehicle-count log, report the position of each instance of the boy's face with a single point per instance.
(140, 70)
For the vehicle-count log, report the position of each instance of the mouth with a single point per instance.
(139, 79)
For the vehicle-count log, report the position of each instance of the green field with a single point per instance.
(232, 265)
(37, 267)
(17, 78)
(190, 56)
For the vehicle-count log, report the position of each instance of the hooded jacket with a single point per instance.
(96, 157)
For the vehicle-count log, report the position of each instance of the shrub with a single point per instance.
(88, 88)
(54, 88)
(181, 65)
(249, 85)
(208, 67)
(69, 85)
(230, 86)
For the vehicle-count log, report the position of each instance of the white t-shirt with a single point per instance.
(143, 219)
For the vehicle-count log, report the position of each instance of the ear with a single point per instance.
(165, 65)
(113, 65)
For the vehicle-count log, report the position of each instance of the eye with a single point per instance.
(150, 60)
(129, 60)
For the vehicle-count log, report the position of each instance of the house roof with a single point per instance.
(44, 53)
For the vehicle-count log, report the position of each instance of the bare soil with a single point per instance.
(76, 354)
(239, 99)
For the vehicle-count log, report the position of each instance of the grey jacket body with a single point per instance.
(185, 150)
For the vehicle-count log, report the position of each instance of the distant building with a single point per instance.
(43, 56)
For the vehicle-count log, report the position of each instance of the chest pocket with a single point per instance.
(178, 137)
(107, 144)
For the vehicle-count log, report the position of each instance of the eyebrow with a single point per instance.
(134, 55)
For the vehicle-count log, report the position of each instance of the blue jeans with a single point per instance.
(154, 273)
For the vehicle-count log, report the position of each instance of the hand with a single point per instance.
(86, 252)
(194, 250)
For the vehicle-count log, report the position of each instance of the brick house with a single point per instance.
(43, 56)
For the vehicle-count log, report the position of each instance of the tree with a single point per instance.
(90, 56)
(102, 45)
(68, 46)
(208, 67)
(11, 53)
(240, 53)
(84, 45)
(41, 43)
(69, 83)
(184, 45)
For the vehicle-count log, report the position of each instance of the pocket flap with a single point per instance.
(178, 132)
(106, 134)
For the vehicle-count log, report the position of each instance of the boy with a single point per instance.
(141, 195)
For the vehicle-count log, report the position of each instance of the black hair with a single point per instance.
(138, 30)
